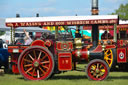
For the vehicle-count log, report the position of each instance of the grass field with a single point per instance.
(67, 78)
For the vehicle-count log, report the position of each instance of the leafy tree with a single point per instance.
(122, 11)
(2, 33)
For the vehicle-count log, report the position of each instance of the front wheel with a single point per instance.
(36, 63)
(97, 70)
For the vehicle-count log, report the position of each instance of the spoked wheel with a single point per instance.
(108, 57)
(36, 63)
(97, 70)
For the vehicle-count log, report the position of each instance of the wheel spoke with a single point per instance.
(110, 59)
(29, 70)
(45, 67)
(97, 76)
(102, 70)
(44, 62)
(97, 65)
(94, 74)
(39, 55)
(42, 70)
(107, 62)
(44, 57)
(106, 58)
(93, 67)
(102, 73)
(106, 52)
(91, 71)
(109, 54)
(28, 65)
(101, 66)
(31, 57)
(34, 54)
(33, 72)
(28, 60)
(38, 74)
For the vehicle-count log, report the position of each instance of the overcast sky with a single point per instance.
(29, 8)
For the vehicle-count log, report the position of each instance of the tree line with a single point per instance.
(122, 11)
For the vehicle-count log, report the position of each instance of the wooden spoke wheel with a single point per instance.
(36, 63)
(97, 70)
(108, 57)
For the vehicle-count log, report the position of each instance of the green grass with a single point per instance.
(67, 78)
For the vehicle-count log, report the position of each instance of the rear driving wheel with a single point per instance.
(108, 57)
(97, 70)
(36, 63)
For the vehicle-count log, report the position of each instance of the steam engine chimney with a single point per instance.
(95, 31)
(95, 10)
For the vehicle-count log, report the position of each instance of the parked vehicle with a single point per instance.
(118, 55)
(59, 53)
(4, 54)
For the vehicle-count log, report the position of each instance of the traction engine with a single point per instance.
(46, 57)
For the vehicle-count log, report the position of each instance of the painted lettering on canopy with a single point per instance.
(61, 23)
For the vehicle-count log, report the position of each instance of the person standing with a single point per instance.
(27, 38)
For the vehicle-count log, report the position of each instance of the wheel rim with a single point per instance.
(108, 57)
(97, 71)
(36, 64)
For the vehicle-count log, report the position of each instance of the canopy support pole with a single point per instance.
(11, 35)
(56, 32)
(115, 33)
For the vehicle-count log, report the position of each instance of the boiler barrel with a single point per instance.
(87, 55)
